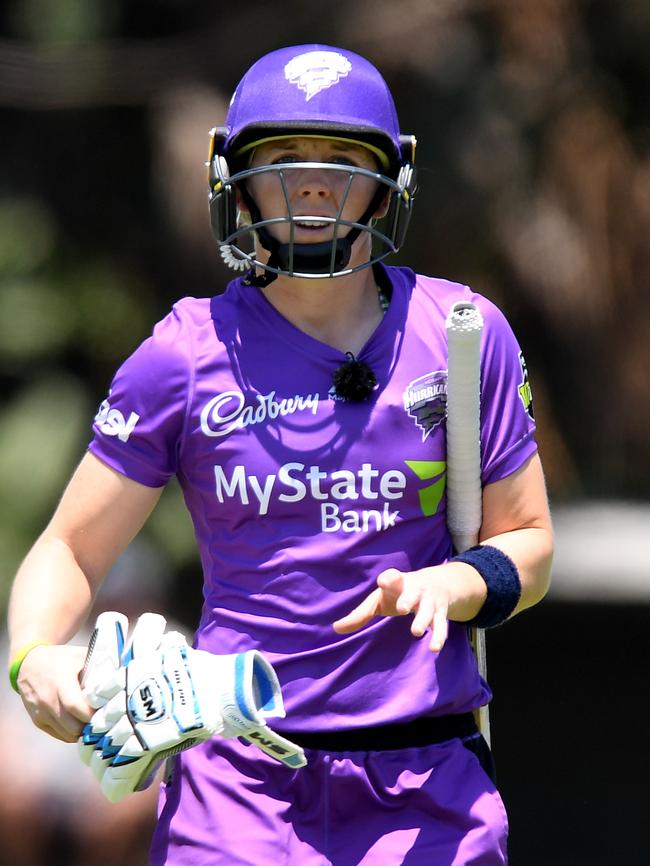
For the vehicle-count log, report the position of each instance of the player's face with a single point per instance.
(312, 192)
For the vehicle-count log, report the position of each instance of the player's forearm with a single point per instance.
(50, 598)
(531, 550)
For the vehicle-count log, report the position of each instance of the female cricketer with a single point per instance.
(303, 412)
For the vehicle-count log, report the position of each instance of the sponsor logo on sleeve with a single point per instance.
(524, 389)
(112, 422)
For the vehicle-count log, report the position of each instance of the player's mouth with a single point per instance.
(312, 224)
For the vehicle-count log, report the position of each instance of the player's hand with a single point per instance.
(432, 595)
(49, 687)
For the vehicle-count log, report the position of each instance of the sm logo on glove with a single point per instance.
(147, 702)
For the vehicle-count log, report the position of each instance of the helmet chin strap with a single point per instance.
(306, 258)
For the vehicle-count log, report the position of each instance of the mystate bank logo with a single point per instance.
(425, 400)
(336, 495)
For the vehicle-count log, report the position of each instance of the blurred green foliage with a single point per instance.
(59, 316)
(39, 441)
(45, 22)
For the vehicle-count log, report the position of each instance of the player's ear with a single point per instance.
(243, 212)
(382, 210)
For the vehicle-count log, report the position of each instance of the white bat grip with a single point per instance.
(464, 326)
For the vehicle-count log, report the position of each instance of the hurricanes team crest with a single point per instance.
(316, 71)
(425, 400)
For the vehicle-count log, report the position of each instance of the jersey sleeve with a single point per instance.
(139, 427)
(507, 420)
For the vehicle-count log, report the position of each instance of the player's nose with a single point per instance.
(315, 182)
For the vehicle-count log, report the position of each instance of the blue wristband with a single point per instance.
(502, 580)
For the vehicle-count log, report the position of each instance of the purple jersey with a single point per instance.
(300, 500)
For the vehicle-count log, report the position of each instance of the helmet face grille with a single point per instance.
(330, 258)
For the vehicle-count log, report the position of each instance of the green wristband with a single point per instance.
(19, 658)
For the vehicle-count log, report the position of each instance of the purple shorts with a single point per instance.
(413, 806)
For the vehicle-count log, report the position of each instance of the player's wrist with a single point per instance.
(501, 579)
(468, 591)
(18, 659)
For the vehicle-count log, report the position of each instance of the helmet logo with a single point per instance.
(316, 71)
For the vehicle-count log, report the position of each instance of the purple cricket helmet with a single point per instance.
(313, 88)
(310, 90)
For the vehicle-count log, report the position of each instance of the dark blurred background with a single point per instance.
(534, 131)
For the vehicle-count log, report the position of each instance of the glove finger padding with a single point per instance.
(104, 657)
(146, 638)
(104, 676)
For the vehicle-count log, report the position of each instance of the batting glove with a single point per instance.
(166, 697)
(103, 679)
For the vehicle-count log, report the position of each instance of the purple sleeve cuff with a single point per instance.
(511, 460)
